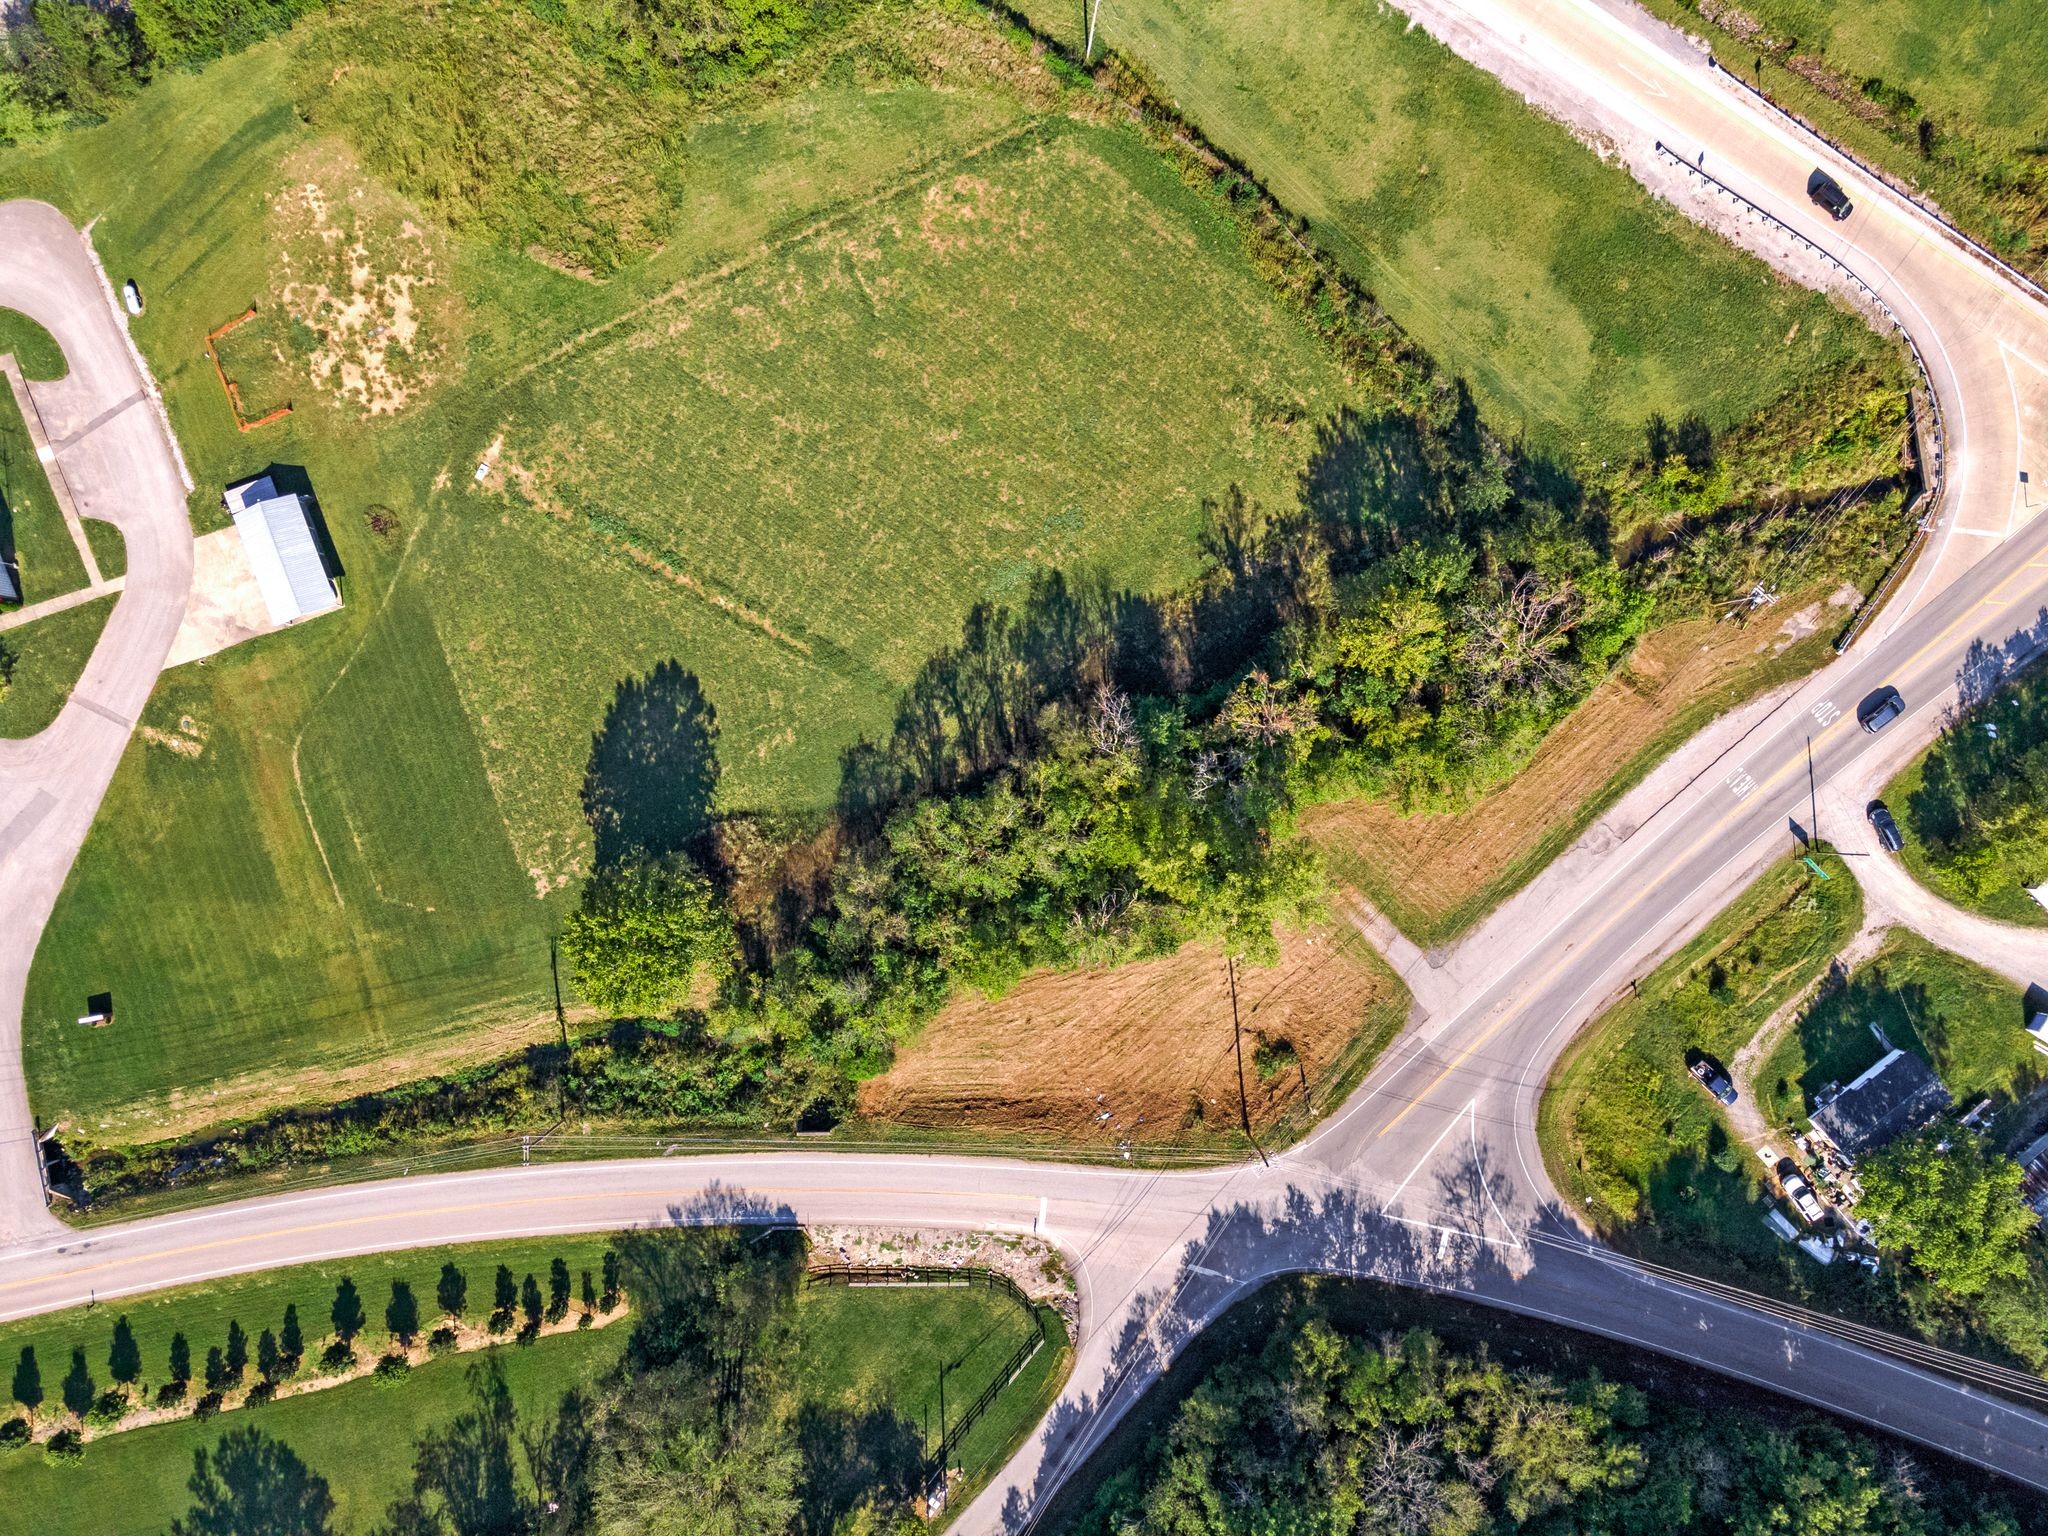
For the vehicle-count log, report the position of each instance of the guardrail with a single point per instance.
(1894, 184)
(1926, 506)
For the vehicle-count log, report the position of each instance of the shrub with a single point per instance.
(207, 1406)
(338, 1356)
(65, 1448)
(15, 1433)
(108, 1409)
(392, 1368)
(261, 1393)
(172, 1393)
(441, 1341)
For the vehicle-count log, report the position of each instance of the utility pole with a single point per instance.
(1812, 797)
(942, 1423)
(1088, 53)
(1244, 1111)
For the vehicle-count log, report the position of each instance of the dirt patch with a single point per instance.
(1032, 1264)
(1142, 1053)
(359, 277)
(1425, 869)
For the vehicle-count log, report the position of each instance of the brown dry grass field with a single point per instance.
(1143, 1053)
(1435, 875)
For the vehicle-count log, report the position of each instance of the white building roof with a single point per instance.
(277, 534)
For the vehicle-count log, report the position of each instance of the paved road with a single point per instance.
(1429, 1175)
(112, 452)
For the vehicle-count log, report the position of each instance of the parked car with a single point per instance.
(132, 297)
(1880, 709)
(1714, 1080)
(1801, 1194)
(1888, 836)
(1827, 191)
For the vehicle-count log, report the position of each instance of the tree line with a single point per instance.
(701, 1427)
(70, 60)
(518, 1308)
(1326, 1430)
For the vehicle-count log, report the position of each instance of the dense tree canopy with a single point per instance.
(1953, 1206)
(643, 934)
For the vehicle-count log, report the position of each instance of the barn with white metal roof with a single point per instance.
(284, 552)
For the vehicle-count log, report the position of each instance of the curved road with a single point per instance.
(109, 445)
(1429, 1175)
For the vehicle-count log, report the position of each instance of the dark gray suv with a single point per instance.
(1827, 191)
(1881, 823)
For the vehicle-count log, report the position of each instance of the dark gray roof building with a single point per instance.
(1897, 1096)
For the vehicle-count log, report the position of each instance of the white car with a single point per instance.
(1801, 1194)
(132, 297)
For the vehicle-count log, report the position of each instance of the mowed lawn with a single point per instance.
(868, 1358)
(1574, 303)
(46, 657)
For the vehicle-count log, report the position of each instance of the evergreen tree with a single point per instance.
(181, 1359)
(504, 1292)
(28, 1380)
(269, 1359)
(530, 1303)
(558, 1289)
(237, 1357)
(124, 1359)
(216, 1370)
(402, 1315)
(451, 1293)
(347, 1313)
(78, 1389)
(611, 1279)
(291, 1343)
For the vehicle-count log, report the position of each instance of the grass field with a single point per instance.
(33, 538)
(1960, 1017)
(1436, 874)
(860, 1350)
(1551, 281)
(918, 334)
(45, 658)
(1629, 1137)
(1970, 69)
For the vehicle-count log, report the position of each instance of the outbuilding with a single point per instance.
(283, 547)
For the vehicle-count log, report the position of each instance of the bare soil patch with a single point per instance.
(1434, 873)
(360, 280)
(1143, 1053)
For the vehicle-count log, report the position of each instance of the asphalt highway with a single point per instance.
(1429, 1175)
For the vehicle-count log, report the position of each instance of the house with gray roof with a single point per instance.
(277, 534)
(1894, 1098)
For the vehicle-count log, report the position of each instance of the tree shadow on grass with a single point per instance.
(651, 785)
(851, 1456)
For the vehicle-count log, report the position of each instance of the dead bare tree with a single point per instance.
(1111, 726)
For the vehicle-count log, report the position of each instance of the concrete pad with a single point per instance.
(225, 606)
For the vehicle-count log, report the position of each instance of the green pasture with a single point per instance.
(1629, 1136)
(1573, 302)
(869, 1363)
(1043, 359)
(1964, 1020)
(44, 658)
